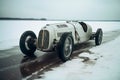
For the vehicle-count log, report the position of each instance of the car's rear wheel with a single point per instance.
(98, 37)
(27, 43)
(65, 47)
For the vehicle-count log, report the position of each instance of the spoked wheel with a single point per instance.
(27, 43)
(68, 47)
(65, 47)
(98, 37)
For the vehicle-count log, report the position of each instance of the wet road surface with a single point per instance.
(17, 66)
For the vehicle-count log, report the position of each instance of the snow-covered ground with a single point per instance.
(100, 63)
(10, 31)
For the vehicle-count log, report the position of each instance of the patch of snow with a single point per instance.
(106, 26)
(7, 44)
(89, 55)
(106, 67)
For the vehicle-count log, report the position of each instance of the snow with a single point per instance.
(103, 64)
(7, 44)
(106, 26)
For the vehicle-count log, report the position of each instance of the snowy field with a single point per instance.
(103, 63)
(10, 31)
(100, 63)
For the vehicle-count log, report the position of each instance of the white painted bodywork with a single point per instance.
(54, 30)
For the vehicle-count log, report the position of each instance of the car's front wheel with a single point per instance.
(65, 47)
(27, 43)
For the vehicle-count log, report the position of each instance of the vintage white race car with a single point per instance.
(60, 37)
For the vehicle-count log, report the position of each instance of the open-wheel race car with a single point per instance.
(59, 37)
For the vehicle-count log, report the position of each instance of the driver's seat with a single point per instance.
(84, 26)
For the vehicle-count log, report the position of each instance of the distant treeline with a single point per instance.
(44, 19)
(7, 18)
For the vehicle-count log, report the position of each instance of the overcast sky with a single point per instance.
(61, 9)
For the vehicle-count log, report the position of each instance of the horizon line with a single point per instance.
(45, 19)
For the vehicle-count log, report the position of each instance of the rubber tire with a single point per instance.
(23, 48)
(60, 47)
(97, 35)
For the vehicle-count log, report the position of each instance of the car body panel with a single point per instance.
(56, 31)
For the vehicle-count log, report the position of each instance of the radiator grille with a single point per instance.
(43, 39)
